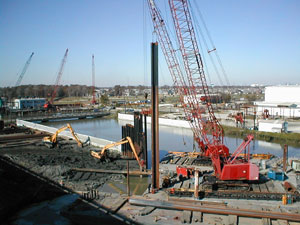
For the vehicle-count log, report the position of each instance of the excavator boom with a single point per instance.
(52, 140)
(102, 153)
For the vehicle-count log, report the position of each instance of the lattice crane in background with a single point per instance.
(93, 80)
(49, 103)
(208, 132)
(24, 70)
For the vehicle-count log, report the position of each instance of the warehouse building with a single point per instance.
(280, 101)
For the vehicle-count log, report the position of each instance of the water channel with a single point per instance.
(170, 138)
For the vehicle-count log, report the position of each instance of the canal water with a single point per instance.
(170, 138)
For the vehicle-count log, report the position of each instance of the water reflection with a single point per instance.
(170, 138)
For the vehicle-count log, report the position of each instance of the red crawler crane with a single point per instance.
(93, 80)
(49, 103)
(208, 132)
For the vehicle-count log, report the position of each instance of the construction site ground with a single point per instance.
(24, 151)
(38, 186)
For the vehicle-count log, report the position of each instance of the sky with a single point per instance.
(258, 40)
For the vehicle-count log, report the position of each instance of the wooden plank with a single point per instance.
(197, 217)
(266, 221)
(263, 188)
(282, 222)
(77, 176)
(134, 172)
(190, 161)
(119, 204)
(165, 161)
(186, 184)
(232, 220)
(256, 187)
(146, 210)
(181, 161)
(186, 216)
(271, 187)
(175, 160)
(86, 176)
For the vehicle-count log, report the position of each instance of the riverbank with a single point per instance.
(291, 139)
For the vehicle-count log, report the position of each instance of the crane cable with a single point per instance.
(144, 44)
(199, 30)
(214, 49)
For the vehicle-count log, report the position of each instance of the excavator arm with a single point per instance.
(74, 135)
(101, 154)
(52, 140)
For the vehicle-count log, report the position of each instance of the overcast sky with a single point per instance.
(257, 40)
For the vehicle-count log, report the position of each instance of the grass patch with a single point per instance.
(292, 139)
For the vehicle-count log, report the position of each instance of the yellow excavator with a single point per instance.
(52, 140)
(102, 153)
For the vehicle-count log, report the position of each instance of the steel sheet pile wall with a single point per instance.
(138, 137)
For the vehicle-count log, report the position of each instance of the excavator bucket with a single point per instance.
(47, 141)
(96, 154)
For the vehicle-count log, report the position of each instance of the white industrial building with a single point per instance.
(281, 101)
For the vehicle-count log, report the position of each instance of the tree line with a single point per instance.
(45, 91)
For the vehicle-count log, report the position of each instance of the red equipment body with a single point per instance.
(207, 130)
(241, 171)
(239, 118)
(184, 171)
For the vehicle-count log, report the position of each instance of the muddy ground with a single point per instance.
(56, 163)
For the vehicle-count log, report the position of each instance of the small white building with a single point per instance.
(29, 103)
(281, 101)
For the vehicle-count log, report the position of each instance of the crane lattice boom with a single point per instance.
(173, 64)
(207, 131)
(58, 78)
(195, 73)
(24, 70)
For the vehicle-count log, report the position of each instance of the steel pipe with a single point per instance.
(154, 123)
